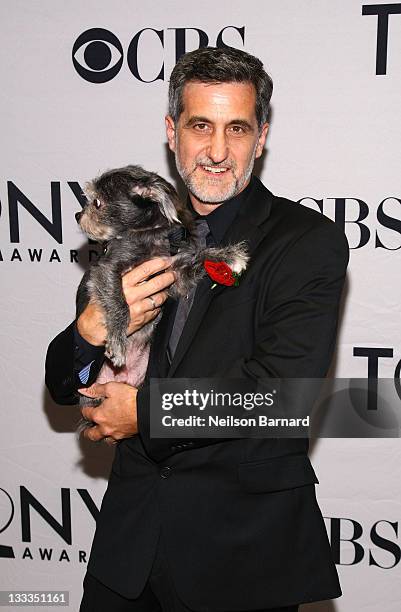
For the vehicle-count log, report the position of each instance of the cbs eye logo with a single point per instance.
(97, 55)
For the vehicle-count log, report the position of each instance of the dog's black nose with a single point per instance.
(78, 216)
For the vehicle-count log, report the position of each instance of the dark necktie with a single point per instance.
(203, 238)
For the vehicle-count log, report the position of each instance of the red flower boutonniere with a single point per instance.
(221, 273)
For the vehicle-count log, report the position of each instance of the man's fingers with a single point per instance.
(151, 314)
(88, 412)
(157, 284)
(98, 431)
(143, 316)
(144, 270)
(93, 434)
(95, 390)
(155, 301)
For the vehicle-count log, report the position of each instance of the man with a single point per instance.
(214, 524)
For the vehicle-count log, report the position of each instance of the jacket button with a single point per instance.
(165, 472)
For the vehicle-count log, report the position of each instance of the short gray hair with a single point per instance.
(220, 65)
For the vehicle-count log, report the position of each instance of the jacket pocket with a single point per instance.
(276, 474)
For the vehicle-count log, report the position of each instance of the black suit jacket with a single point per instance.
(240, 519)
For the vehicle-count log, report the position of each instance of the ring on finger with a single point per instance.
(154, 305)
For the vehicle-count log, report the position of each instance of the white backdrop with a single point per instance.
(335, 134)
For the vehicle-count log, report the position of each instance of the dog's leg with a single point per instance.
(190, 266)
(109, 294)
(234, 255)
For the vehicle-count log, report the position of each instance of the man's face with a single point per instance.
(216, 141)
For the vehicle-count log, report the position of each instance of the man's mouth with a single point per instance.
(213, 170)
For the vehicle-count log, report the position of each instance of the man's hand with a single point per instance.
(115, 417)
(144, 298)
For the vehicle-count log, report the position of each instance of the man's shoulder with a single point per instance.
(289, 223)
(295, 218)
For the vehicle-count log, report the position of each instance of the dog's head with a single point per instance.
(127, 198)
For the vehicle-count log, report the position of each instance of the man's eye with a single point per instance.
(201, 127)
(237, 129)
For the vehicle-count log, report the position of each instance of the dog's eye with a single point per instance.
(97, 203)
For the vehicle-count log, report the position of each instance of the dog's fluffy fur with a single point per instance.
(132, 212)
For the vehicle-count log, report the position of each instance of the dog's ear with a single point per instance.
(167, 198)
(89, 191)
(164, 195)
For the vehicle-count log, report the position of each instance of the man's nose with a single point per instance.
(218, 149)
(78, 215)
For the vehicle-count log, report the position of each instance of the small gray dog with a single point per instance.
(137, 215)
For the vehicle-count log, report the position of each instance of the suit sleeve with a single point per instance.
(71, 363)
(297, 324)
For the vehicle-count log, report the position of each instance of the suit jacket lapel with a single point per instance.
(253, 212)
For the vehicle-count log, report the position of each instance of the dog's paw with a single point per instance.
(240, 257)
(236, 256)
(118, 360)
(115, 350)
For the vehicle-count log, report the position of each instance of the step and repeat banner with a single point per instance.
(83, 89)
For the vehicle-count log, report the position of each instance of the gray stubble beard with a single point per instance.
(187, 177)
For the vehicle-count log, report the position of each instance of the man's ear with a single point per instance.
(261, 140)
(170, 131)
